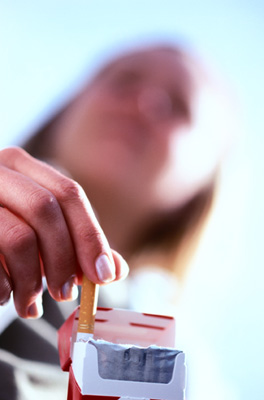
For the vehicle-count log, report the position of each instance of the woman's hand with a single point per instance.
(47, 228)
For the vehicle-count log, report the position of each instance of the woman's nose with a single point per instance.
(154, 104)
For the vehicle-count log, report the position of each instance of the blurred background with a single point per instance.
(48, 47)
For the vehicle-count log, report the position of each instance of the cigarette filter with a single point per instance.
(88, 305)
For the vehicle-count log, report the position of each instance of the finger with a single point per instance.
(5, 283)
(40, 210)
(92, 249)
(21, 269)
(122, 268)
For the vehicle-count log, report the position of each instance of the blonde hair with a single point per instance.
(171, 240)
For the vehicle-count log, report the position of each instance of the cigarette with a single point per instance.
(88, 306)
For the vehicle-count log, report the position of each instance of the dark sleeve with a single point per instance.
(29, 362)
(8, 388)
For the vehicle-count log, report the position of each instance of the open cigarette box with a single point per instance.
(131, 356)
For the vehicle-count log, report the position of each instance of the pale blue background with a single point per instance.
(45, 47)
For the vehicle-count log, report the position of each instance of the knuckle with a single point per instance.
(69, 190)
(19, 237)
(91, 236)
(43, 204)
(11, 153)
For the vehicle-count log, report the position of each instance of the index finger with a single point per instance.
(92, 249)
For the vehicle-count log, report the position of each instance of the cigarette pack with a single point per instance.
(130, 357)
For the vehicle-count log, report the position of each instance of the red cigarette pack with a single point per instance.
(87, 379)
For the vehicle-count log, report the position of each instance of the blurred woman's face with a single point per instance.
(144, 129)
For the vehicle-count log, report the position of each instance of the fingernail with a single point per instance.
(35, 310)
(105, 268)
(69, 290)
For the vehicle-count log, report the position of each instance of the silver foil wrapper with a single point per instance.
(132, 363)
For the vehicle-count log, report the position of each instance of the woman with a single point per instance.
(144, 140)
